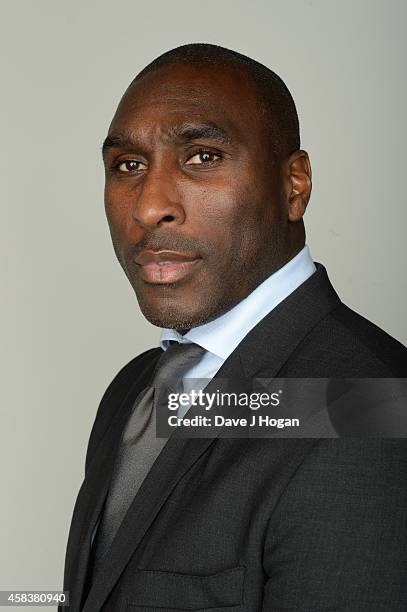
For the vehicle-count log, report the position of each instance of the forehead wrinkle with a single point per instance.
(183, 104)
(183, 132)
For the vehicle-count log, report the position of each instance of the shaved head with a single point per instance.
(275, 101)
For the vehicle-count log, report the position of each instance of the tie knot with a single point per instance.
(174, 362)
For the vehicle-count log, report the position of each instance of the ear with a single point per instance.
(300, 179)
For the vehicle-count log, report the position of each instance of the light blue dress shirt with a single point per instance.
(221, 336)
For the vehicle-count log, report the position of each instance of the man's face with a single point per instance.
(193, 199)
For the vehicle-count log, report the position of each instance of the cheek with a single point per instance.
(118, 211)
(233, 222)
(231, 212)
(216, 208)
(111, 205)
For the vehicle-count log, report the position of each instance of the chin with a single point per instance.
(175, 314)
(182, 308)
(171, 319)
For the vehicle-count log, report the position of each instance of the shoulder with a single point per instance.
(126, 375)
(138, 368)
(346, 344)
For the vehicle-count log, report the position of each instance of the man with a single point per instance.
(206, 188)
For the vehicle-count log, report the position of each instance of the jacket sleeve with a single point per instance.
(337, 539)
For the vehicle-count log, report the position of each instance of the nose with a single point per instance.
(158, 200)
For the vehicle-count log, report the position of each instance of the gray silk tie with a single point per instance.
(139, 445)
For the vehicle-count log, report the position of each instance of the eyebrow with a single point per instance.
(182, 133)
(211, 131)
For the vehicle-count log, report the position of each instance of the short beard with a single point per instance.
(171, 316)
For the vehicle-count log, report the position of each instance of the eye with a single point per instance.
(130, 165)
(203, 157)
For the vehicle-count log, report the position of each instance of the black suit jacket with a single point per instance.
(256, 524)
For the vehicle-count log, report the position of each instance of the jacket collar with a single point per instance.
(270, 344)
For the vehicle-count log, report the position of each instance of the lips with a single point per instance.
(164, 267)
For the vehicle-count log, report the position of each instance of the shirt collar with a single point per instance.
(222, 335)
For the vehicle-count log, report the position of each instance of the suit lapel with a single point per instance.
(175, 459)
(263, 352)
(268, 346)
(93, 492)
